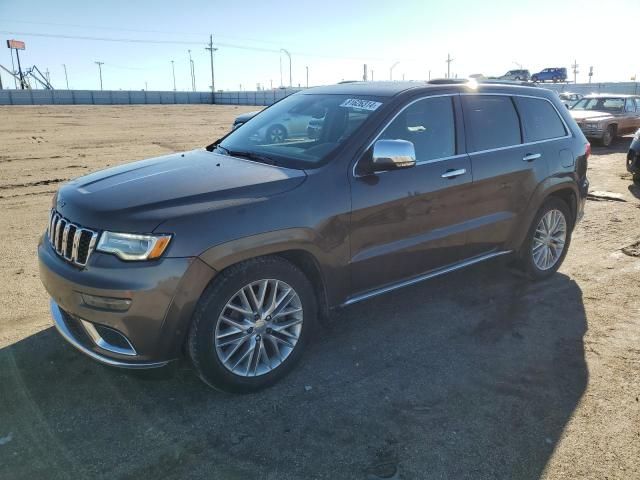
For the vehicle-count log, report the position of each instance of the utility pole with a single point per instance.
(391, 70)
(100, 68)
(193, 72)
(307, 67)
(66, 78)
(429, 75)
(213, 78)
(449, 60)
(575, 70)
(364, 73)
(13, 70)
(146, 87)
(271, 83)
(173, 70)
(22, 80)
(590, 73)
(372, 75)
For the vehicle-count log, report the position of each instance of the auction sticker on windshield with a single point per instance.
(361, 104)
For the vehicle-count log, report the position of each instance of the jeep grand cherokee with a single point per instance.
(232, 253)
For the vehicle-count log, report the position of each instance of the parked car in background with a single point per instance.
(232, 253)
(633, 158)
(518, 75)
(569, 98)
(245, 117)
(550, 75)
(604, 117)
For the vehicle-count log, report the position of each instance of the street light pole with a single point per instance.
(391, 70)
(449, 60)
(193, 73)
(66, 78)
(307, 67)
(286, 52)
(100, 69)
(173, 70)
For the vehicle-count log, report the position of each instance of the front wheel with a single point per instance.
(608, 136)
(547, 241)
(251, 325)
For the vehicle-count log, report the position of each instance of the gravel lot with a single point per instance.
(480, 374)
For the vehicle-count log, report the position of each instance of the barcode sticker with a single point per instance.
(361, 104)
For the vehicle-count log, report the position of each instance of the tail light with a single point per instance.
(587, 151)
(581, 167)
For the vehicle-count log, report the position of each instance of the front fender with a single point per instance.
(330, 262)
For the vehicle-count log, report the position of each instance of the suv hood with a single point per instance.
(138, 196)
(589, 114)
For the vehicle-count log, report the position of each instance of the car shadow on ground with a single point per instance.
(474, 375)
(618, 145)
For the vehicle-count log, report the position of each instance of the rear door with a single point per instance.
(509, 159)
(406, 222)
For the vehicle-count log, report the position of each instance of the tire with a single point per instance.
(636, 178)
(216, 345)
(529, 261)
(276, 134)
(608, 136)
(534, 79)
(555, 79)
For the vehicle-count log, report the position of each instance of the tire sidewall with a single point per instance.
(201, 336)
(526, 251)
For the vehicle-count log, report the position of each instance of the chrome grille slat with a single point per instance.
(61, 231)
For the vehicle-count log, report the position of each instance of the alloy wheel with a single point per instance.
(276, 135)
(549, 239)
(258, 328)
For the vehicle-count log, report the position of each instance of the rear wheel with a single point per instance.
(547, 241)
(251, 325)
(535, 79)
(609, 135)
(636, 178)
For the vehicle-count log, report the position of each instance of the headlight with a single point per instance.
(130, 246)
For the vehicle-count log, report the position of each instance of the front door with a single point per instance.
(406, 222)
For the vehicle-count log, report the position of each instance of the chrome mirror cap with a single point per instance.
(392, 155)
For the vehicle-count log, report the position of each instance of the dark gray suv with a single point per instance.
(232, 253)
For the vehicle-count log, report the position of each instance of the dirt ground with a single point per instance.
(480, 374)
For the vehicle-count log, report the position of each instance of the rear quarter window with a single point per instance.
(540, 120)
(491, 122)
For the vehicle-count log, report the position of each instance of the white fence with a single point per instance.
(139, 97)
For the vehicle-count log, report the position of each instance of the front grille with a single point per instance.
(72, 242)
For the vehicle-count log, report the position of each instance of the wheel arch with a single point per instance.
(564, 189)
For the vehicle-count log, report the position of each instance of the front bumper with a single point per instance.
(61, 321)
(123, 314)
(633, 161)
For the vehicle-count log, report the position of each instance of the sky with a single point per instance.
(333, 38)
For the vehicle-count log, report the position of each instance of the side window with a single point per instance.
(637, 104)
(491, 122)
(429, 124)
(540, 121)
(630, 105)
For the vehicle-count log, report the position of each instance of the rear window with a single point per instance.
(540, 120)
(491, 121)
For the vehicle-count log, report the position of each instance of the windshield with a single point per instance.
(301, 130)
(602, 104)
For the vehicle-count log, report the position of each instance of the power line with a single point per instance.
(185, 42)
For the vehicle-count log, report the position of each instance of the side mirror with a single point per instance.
(392, 155)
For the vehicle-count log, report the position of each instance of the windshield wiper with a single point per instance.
(256, 157)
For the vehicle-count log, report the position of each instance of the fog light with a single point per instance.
(106, 303)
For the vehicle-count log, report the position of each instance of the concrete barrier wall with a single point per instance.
(139, 97)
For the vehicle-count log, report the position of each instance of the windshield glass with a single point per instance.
(606, 104)
(301, 130)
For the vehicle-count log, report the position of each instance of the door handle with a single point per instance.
(454, 173)
(531, 156)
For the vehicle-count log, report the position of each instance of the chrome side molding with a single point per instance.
(425, 276)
